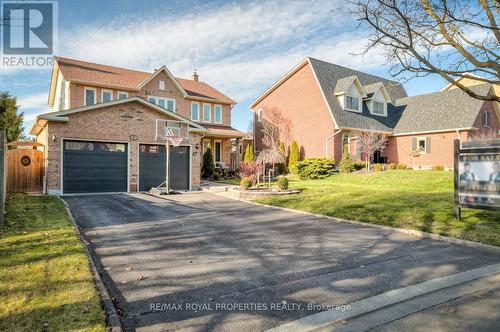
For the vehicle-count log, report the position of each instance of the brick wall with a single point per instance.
(299, 99)
(113, 123)
(183, 105)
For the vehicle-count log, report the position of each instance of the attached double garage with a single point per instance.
(114, 149)
(93, 167)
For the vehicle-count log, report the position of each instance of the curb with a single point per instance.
(112, 319)
(413, 232)
(327, 318)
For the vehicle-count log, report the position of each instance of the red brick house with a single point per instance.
(100, 135)
(329, 105)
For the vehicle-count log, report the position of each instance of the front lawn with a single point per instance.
(421, 200)
(45, 280)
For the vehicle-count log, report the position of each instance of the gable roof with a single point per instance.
(128, 79)
(345, 83)
(328, 76)
(438, 111)
(62, 116)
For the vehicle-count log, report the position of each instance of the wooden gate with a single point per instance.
(24, 168)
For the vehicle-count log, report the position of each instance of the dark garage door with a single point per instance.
(152, 166)
(94, 167)
(179, 167)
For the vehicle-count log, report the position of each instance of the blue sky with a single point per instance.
(238, 47)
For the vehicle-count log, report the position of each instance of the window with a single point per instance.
(207, 112)
(90, 95)
(79, 146)
(218, 151)
(422, 144)
(378, 108)
(195, 111)
(167, 103)
(218, 113)
(122, 95)
(352, 103)
(106, 95)
(111, 147)
(161, 85)
(486, 119)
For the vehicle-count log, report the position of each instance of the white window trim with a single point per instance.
(165, 99)
(422, 138)
(194, 102)
(102, 93)
(215, 113)
(121, 93)
(85, 95)
(159, 85)
(209, 113)
(486, 115)
(360, 104)
(373, 108)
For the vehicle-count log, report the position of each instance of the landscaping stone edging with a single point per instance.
(112, 319)
(388, 228)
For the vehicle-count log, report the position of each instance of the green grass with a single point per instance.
(232, 181)
(45, 280)
(421, 200)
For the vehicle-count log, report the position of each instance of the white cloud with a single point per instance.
(239, 48)
(31, 102)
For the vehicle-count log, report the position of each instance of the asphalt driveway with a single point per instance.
(203, 262)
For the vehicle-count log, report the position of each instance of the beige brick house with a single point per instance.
(101, 134)
(329, 106)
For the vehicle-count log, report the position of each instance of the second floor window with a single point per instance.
(195, 111)
(163, 102)
(122, 95)
(207, 110)
(352, 103)
(378, 108)
(161, 85)
(89, 96)
(218, 114)
(106, 96)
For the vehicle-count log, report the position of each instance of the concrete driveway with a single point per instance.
(203, 262)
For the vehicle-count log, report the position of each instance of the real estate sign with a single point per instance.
(477, 179)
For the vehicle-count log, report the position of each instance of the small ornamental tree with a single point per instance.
(346, 164)
(294, 157)
(282, 166)
(250, 171)
(248, 154)
(208, 167)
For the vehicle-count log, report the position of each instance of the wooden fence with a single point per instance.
(25, 170)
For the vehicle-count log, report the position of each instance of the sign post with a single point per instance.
(456, 151)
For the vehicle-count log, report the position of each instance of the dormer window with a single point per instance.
(352, 103)
(378, 108)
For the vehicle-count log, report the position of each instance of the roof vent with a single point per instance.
(195, 76)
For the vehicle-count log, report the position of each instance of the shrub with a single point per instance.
(315, 168)
(438, 168)
(346, 164)
(246, 183)
(248, 154)
(401, 166)
(282, 166)
(293, 158)
(282, 183)
(359, 165)
(392, 166)
(250, 170)
(378, 168)
(208, 166)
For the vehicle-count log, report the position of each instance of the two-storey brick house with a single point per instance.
(100, 135)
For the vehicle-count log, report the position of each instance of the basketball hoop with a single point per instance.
(175, 140)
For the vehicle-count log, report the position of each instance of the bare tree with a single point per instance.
(275, 128)
(370, 142)
(452, 38)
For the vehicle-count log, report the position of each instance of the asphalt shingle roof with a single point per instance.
(449, 109)
(329, 75)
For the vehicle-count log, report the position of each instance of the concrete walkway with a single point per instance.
(189, 261)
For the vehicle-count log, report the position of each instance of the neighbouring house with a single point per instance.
(329, 106)
(100, 135)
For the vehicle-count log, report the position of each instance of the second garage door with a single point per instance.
(90, 167)
(152, 167)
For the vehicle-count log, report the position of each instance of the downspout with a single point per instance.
(329, 138)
